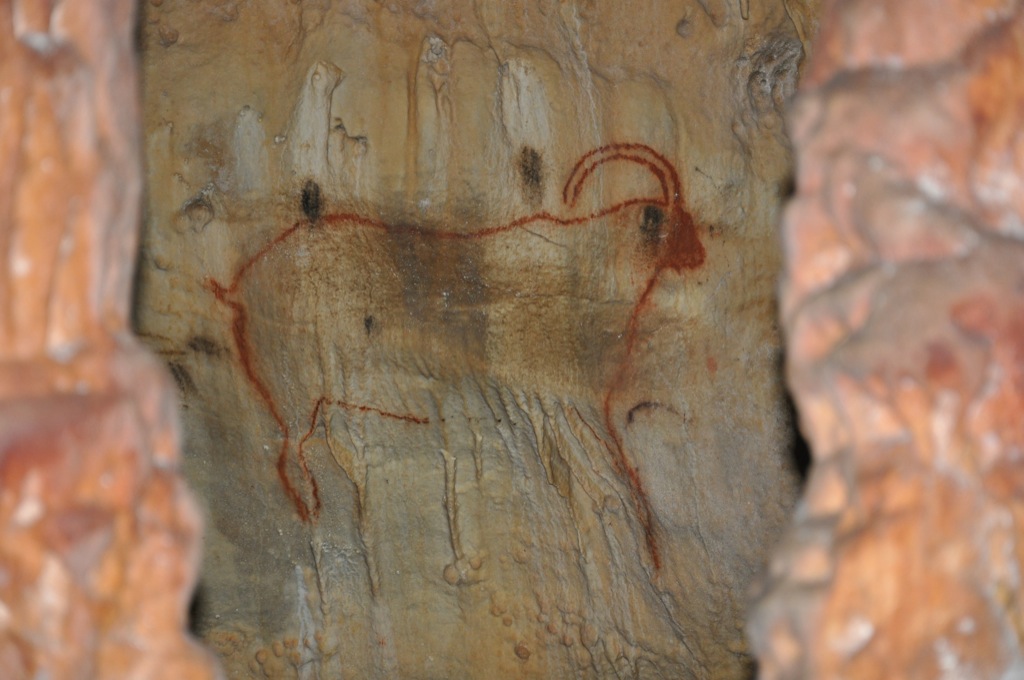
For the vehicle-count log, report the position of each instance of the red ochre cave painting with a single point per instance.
(680, 250)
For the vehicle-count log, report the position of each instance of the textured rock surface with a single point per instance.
(98, 537)
(470, 305)
(903, 307)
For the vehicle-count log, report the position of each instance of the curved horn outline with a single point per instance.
(684, 249)
(641, 154)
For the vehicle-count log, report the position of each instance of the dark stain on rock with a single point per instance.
(684, 28)
(181, 376)
(465, 307)
(639, 407)
(312, 203)
(412, 264)
(647, 406)
(651, 225)
(204, 345)
(531, 174)
(198, 212)
(369, 323)
(443, 288)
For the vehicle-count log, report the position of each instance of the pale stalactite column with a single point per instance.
(903, 305)
(98, 535)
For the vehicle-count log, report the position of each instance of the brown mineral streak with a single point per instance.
(682, 251)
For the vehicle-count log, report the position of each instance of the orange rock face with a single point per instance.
(902, 302)
(97, 532)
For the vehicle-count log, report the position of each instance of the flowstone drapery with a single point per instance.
(902, 303)
(98, 537)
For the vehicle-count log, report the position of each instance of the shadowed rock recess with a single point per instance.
(471, 310)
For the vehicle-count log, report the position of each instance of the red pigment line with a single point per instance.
(635, 484)
(539, 217)
(625, 157)
(300, 456)
(632, 326)
(300, 452)
(682, 250)
(239, 333)
(354, 219)
(618, 451)
(623, 146)
(281, 238)
(636, 488)
(408, 418)
(312, 421)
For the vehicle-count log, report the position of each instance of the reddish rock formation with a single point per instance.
(903, 303)
(98, 536)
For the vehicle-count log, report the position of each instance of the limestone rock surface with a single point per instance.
(902, 306)
(471, 310)
(98, 536)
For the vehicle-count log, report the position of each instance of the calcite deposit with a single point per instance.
(98, 537)
(903, 304)
(471, 310)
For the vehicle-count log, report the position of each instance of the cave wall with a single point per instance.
(471, 311)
